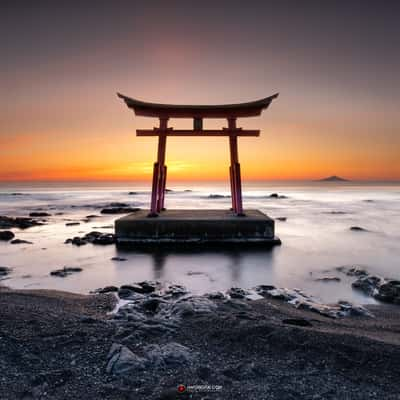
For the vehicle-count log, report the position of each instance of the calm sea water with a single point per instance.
(315, 237)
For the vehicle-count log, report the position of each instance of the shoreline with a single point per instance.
(61, 345)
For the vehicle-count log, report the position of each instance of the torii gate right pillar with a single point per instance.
(234, 170)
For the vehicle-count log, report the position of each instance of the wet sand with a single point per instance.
(55, 345)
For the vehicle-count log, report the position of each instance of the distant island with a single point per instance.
(333, 178)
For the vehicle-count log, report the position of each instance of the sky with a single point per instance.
(335, 64)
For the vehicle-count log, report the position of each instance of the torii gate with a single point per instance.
(227, 111)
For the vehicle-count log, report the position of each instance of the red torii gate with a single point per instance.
(227, 111)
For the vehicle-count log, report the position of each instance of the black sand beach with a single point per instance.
(56, 345)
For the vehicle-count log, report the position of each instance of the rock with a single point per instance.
(217, 196)
(176, 291)
(4, 271)
(151, 305)
(119, 210)
(63, 272)
(358, 229)
(122, 361)
(77, 241)
(18, 222)
(389, 291)
(188, 190)
(107, 289)
(72, 223)
(237, 293)
(104, 239)
(277, 196)
(329, 279)
(283, 219)
(39, 214)
(216, 296)
(118, 259)
(20, 241)
(93, 237)
(367, 284)
(91, 216)
(354, 271)
(297, 322)
(6, 235)
(133, 193)
(169, 355)
(141, 287)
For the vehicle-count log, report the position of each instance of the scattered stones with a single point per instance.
(38, 214)
(18, 222)
(118, 259)
(4, 271)
(20, 241)
(6, 235)
(358, 229)
(119, 210)
(63, 272)
(72, 223)
(297, 322)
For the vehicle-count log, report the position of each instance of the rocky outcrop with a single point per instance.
(119, 210)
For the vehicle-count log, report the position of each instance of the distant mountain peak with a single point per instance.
(333, 178)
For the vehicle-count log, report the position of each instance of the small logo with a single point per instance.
(181, 388)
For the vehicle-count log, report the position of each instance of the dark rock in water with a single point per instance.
(283, 219)
(72, 223)
(188, 190)
(119, 210)
(353, 271)
(336, 212)
(63, 272)
(4, 271)
(39, 214)
(277, 196)
(217, 196)
(20, 241)
(168, 190)
(92, 216)
(367, 284)
(215, 296)
(6, 235)
(104, 239)
(141, 287)
(118, 259)
(176, 291)
(93, 237)
(77, 241)
(18, 222)
(358, 229)
(297, 322)
(133, 193)
(329, 279)
(389, 292)
(117, 204)
(107, 289)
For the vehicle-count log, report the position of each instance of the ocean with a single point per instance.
(316, 237)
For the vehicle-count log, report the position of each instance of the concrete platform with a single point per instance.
(196, 227)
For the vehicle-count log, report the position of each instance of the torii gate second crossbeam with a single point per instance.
(164, 112)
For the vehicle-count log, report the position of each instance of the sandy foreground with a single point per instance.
(59, 345)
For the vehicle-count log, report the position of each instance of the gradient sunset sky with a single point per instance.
(336, 65)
